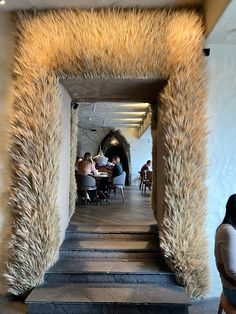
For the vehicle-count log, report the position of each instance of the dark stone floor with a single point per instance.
(206, 306)
(10, 305)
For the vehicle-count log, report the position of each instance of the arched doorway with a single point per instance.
(115, 144)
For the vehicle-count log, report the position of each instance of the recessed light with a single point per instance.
(2, 2)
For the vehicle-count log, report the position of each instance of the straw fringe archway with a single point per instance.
(156, 44)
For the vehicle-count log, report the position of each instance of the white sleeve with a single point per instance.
(228, 252)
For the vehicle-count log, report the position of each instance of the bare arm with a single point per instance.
(93, 169)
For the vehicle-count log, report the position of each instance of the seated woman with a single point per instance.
(86, 166)
(225, 251)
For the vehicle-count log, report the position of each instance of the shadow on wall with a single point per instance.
(115, 144)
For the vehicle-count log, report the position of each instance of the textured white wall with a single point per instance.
(6, 60)
(140, 151)
(89, 141)
(221, 180)
(64, 175)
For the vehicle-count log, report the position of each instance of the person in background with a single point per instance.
(225, 251)
(117, 169)
(100, 159)
(145, 167)
(87, 166)
(78, 159)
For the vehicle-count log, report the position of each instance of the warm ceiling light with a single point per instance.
(127, 119)
(133, 113)
(123, 125)
(114, 141)
(2, 2)
(136, 105)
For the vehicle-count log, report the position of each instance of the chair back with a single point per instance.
(227, 307)
(85, 181)
(119, 180)
(148, 175)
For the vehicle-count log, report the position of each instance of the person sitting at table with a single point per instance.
(117, 169)
(104, 182)
(78, 159)
(100, 159)
(87, 166)
(145, 167)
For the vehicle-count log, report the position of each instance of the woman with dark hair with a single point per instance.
(225, 251)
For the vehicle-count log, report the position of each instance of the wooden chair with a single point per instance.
(225, 306)
(86, 183)
(118, 183)
(141, 181)
(147, 181)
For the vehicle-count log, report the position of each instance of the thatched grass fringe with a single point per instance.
(34, 150)
(182, 233)
(73, 153)
(160, 44)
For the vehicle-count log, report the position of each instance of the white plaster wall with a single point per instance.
(140, 151)
(64, 175)
(221, 108)
(6, 61)
(89, 141)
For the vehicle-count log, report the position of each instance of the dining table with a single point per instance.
(97, 177)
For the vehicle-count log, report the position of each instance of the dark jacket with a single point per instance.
(117, 170)
(144, 168)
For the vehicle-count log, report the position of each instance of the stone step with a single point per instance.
(109, 249)
(128, 271)
(86, 298)
(118, 232)
(73, 235)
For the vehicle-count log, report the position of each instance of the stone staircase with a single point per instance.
(109, 269)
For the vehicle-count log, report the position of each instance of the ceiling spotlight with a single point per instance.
(2, 2)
